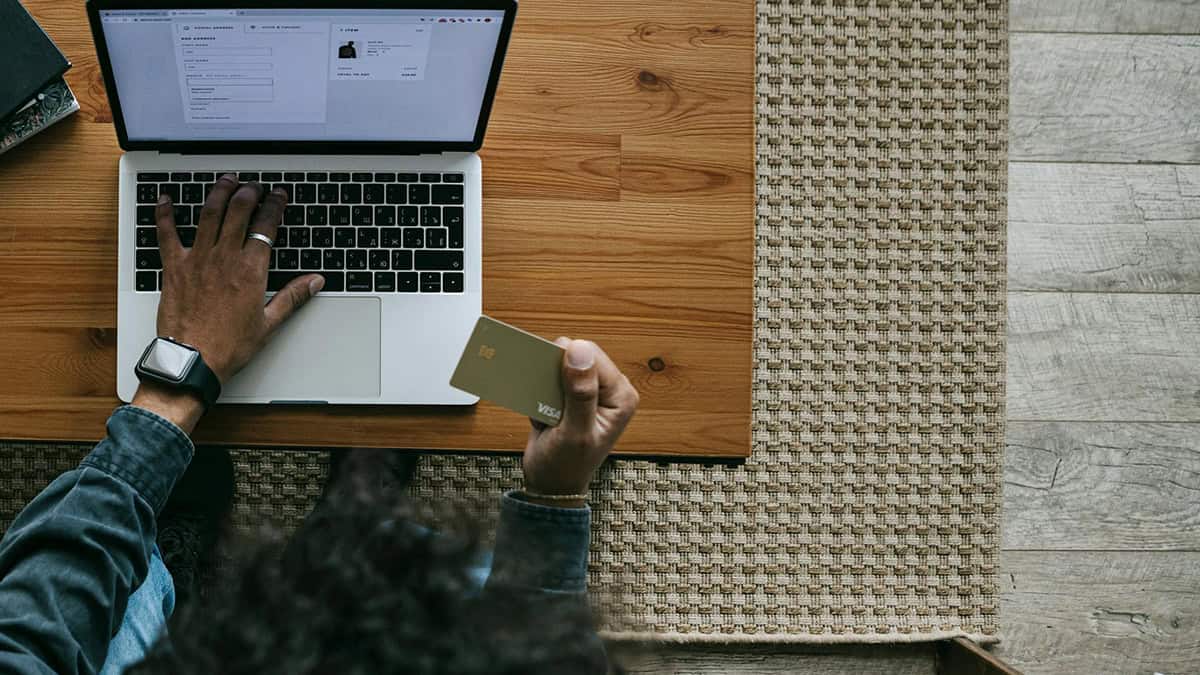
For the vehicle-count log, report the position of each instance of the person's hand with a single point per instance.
(212, 294)
(600, 401)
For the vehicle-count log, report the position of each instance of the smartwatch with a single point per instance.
(178, 366)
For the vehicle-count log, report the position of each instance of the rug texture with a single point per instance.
(870, 508)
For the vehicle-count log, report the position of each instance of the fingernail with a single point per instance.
(164, 198)
(231, 177)
(316, 285)
(580, 355)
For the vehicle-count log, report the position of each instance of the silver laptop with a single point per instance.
(369, 114)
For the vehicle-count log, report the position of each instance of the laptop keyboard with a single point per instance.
(366, 232)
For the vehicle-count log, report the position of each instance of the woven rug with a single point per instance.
(869, 510)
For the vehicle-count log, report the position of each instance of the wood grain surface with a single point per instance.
(619, 206)
(776, 659)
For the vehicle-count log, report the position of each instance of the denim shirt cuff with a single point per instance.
(542, 547)
(144, 450)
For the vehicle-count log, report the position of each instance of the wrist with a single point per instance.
(181, 407)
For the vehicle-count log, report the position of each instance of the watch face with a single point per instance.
(168, 360)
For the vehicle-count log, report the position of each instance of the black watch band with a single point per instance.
(179, 366)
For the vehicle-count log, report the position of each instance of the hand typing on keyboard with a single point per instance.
(212, 291)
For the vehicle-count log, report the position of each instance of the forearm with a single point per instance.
(542, 548)
(72, 557)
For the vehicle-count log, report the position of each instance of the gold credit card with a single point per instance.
(512, 368)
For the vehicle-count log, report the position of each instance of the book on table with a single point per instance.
(33, 94)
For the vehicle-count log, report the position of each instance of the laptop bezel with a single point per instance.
(246, 146)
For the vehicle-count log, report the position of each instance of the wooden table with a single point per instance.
(619, 206)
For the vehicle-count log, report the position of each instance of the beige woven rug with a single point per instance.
(869, 510)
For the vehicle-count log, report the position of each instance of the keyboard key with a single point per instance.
(193, 193)
(418, 194)
(368, 237)
(373, 193)
(146, 281)
(452, 178)
(391, 237)
(447, 194)
(299, 237)
(452, 282)
(204, 177)
(187, 236)
(343, 237)
(147, 237)
(322, 237)
(340, 177)
(147, 194)
(431, 178)
(439, 260)
(385, 178)
(402, 260)
(327, 193)
(281, 237)
(149, 259)
(406, 282)
(171, 189)
(334, 259)
(378, 260)
(339, 215)
(335, 282)
(197, 210)
(272, 177)
(435, 237)
(291, 176)
(361, 216)
(317, 176)
(145, 215)
(385, 216)
(247, 176)
(452, 218)
(385, 282)
(361, 177)
(408, 177)
(183, 215)
(407, 216)
(431, 282)
(277, 280)
(351, 193)
(181, 177)
(153, 176)
(287, 188)
(397, 194)
(306, 193)
(293, 215)
(310, 259)
(431, 216)
(414, 237)
(316, 215)
(359, 282)
(288, 259)
(356, 259)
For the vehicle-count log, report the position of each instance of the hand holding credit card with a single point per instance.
(579, 400)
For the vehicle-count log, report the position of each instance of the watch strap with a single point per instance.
(202, 380)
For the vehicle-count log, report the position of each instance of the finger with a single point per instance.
(582, 388)
(237, 216)
(208, 230)
(292, 297)
(615, 389)
(169, 245)
(266, 222)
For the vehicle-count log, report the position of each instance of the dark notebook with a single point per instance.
(31, 61)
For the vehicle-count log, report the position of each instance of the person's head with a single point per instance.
(362, 588)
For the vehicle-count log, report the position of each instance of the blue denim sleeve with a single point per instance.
(73, 556)
(541, 547)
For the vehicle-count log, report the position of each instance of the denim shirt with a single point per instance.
(73, 556)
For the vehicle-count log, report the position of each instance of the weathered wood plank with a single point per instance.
(1103, 227)
(1110, 98)
(1071, 485)
(768, 659)
(1104, 357)
(1099, 612)
(1105, 16)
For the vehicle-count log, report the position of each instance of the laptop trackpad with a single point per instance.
(328, 350)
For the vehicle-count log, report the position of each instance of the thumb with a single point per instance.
(292, 297)
(581, 386)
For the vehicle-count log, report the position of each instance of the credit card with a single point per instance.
(509, 367)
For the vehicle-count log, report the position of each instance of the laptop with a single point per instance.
(369, 114)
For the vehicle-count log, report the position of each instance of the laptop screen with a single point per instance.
(388, 75)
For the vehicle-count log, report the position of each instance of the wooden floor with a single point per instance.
(1100, 567)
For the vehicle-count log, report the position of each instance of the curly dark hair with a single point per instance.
(365, 587)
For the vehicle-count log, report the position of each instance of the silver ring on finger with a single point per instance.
(263, 238)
